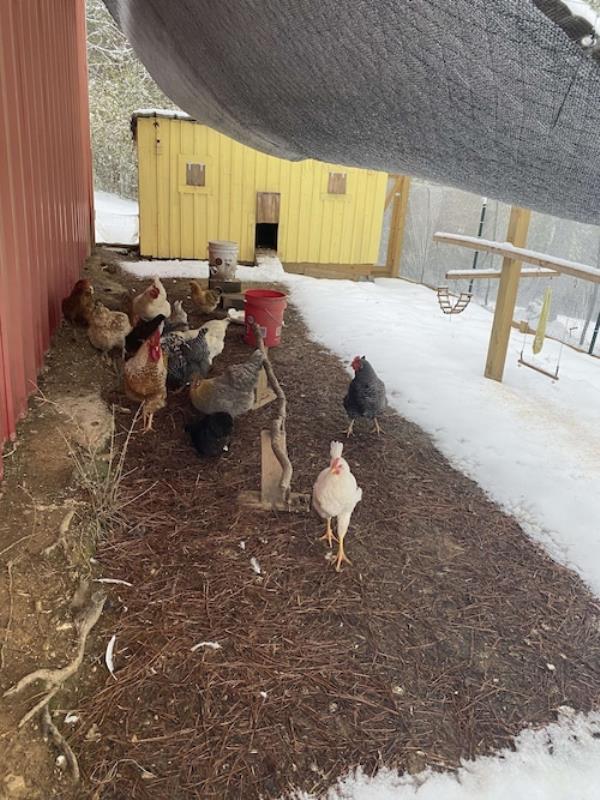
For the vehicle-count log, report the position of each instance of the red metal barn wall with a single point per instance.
(45, 184)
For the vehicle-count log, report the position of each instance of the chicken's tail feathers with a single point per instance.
(336, 449)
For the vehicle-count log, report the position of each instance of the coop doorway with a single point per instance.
(267, 221)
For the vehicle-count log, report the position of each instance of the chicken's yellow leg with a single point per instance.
(341, 556)
(350, 428)
(377, 428)
(328, 533)
(148, 423)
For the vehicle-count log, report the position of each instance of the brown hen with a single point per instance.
(145, 378)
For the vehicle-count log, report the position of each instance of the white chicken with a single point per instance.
(152, 302)
(335, 494)
(215, 336)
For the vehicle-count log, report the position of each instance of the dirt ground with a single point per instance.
(449, 633)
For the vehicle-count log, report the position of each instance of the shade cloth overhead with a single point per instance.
(492, 97)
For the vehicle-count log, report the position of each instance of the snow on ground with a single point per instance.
(532, 444)
(269, 270)
(116, 219)
(559, 762)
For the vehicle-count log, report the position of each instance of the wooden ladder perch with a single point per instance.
(446, 304)
(276, 468)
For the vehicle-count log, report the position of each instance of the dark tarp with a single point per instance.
(491, 96)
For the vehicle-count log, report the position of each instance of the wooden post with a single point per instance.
(518, 227)
(397, 223)
(395, 188)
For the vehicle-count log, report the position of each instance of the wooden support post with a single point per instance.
(396, 185)
(518, 227)
(397, 223)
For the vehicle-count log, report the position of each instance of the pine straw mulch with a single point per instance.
(450, 632)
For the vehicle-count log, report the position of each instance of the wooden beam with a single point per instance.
(395, 188)
(397, 223)
(474, 274)
(515, 253)
(518, 226)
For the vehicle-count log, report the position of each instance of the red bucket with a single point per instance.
(265, 307)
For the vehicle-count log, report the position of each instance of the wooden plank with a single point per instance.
(518, 226)
(267, 207)
(397, 224)
(396, 187)
(475, 274)
(340, 271)
(522, 255)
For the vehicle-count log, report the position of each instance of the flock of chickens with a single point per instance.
(159, 350)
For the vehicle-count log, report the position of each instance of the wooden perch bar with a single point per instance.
(515, 253)
(475, 274)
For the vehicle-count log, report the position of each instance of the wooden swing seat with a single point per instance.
(446, 304)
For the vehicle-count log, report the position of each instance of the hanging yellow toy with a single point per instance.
(540, 332)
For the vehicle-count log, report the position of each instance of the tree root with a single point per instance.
(9, 566)
(62, 533)
(55, 678)
(60, 742)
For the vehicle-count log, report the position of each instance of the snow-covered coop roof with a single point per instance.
(500, 98)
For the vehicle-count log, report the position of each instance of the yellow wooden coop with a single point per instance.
(197, 185)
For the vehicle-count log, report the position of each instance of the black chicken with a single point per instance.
(366, 394)
(141, 332)
(185, 358)
(211, 434)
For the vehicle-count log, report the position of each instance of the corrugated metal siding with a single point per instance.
(177, 221)
(45, 184)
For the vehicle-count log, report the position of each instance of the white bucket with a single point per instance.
(222, 259)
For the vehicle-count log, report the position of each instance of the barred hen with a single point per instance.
(186, 358)
(366, 394)
(232, 392)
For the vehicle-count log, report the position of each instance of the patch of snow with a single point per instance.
(116, 219)
(160, 112)
(558, 762)
(269, 270)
